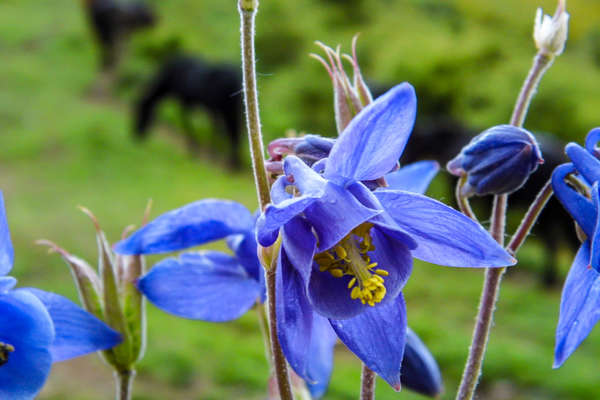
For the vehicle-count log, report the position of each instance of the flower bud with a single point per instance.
(309, 148)
(420, 372)
(497, 161)
(550, 33)
(349, 96)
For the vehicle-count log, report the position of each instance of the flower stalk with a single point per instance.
(367, 383)
(247, 10)
(124, 380)
(493, 276)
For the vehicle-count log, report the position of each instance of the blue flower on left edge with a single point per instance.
(38, 328)
(347, 251)
(580, 301)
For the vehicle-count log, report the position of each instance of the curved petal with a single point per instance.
(308, 182)
(585, 163)
(191, 225)
(377, 336)
(420, 372)
(591, 141)
(306, 338)
(414, 177)
(208, 286)
(374, 140)
(579, 306)
(7, 254)
(594, 261)
(77, 332)
(336, 214)
(245, 249)
(26, 325)
(580, 208)
(7, 283)
(445, 236)
(300, 245)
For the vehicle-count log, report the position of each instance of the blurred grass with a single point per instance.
(61, 147)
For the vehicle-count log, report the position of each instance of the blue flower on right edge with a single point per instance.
(580, 301)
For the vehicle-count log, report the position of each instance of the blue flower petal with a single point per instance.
(420, 372)
(580, 208)
(595, 239)
(336, 214)
(377, 336)
(300, 329)
(26, 325)
(77, 332)
(7, 254)
(585, 163)
(245, 249)
(445, 236)
(579, 306)
(414, 177)
(320, 356)
(299, 244)
(591, 141)
(7, 283)
(191, 225)
(209, 286)
(374, 140)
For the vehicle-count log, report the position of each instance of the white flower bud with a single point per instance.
(550, 32)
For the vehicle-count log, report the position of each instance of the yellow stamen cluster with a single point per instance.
(5, 350)
(350, 258)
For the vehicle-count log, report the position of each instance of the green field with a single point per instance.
(62, 146)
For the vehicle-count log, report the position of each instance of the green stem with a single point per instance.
(463, 202)
(367, 384)
(493, 276)
(124, 383)
(247, 10)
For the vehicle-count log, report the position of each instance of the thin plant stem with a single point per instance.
(463, 202)
(124, 383)
(367, 384)
(530, 218)
(247, 10)
(493, 276)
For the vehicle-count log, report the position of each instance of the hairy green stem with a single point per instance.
(493, 276)
(124, 383)
(367, 384)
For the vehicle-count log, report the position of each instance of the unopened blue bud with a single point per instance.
(497, 161)
(419, 371)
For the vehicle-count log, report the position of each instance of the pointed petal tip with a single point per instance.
(397, 387)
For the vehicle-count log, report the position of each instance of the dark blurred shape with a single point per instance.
(419, 372)
(192, 82)
(113, 21)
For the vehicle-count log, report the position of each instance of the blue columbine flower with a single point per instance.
(497, 161)
(38, 328)
(347, 252)
(580, 301)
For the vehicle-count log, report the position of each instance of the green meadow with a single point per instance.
(63, 145)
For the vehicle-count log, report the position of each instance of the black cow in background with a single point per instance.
(112, 22)
(440, 137)
(194, 83)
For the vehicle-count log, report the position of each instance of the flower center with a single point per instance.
(350, 257)
(5, 350)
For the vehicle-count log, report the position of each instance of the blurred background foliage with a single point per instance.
(62, 145)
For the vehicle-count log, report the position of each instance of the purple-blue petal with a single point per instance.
(336, 214)
(595, 239)
(420, 371)
(77, 332)
(591, 141)
(320, 356)
(445, 236)
(374, 140)
(209, 286)
(191, 225)
(585, 163)
(26, 325)
(299, 244)
(6, 249)
(579, 306)
(414, 177)
(7, 283)
(245, 249)
(377, 337)
(580, 207)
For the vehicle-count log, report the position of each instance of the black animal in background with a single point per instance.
(113, 21)
(195, 83)
(441, 138)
